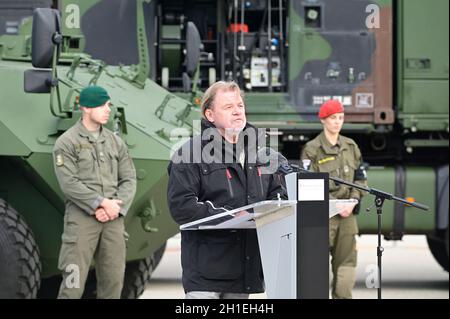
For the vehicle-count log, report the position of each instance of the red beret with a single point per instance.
(330, 107)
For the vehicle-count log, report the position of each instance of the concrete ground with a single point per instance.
(409, 271)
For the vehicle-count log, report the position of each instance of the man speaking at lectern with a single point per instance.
(213, 172)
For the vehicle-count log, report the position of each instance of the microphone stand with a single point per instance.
(380, 197)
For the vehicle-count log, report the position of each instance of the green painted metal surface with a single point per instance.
(171, 52)
(420, 185)
(425, 54)
(423, 64)
(11, 145)
(305, 44)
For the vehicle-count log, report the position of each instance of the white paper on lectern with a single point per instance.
(311, 190)
(337, 205)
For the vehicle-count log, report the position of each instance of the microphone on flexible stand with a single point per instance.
(277, 161)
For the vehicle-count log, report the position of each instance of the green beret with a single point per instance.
(93, 96)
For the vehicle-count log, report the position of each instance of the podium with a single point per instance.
(292, 236)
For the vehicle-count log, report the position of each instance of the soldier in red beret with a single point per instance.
(339, 156)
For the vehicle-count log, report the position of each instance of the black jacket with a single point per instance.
(219, 260)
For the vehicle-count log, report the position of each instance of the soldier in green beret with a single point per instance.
(339, 156)
(98, 178)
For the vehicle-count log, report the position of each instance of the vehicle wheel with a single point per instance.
(20, 267)
(138, 274)
(439, 249)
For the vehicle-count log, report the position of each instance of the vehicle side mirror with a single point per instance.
(38, 81)
(45, 35)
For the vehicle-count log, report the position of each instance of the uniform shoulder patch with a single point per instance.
(59, 159)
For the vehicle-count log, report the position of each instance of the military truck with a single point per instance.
(41, 75)
(386, 60)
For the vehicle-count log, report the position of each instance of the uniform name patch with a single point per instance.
(326, 159)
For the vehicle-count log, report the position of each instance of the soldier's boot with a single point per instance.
(110, 260)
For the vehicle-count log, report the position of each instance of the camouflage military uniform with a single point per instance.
(89, 170)
(341, 160)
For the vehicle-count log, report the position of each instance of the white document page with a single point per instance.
(337, 205)
(311, 190)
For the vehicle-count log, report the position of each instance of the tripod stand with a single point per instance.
(380, 197)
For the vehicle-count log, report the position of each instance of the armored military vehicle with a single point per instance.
(41, 75)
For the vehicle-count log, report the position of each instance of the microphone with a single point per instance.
(277, 161)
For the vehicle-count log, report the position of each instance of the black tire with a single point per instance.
(439, 249)
(138, 274)
(20, 267)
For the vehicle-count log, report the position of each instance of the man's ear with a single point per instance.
(209, 115)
